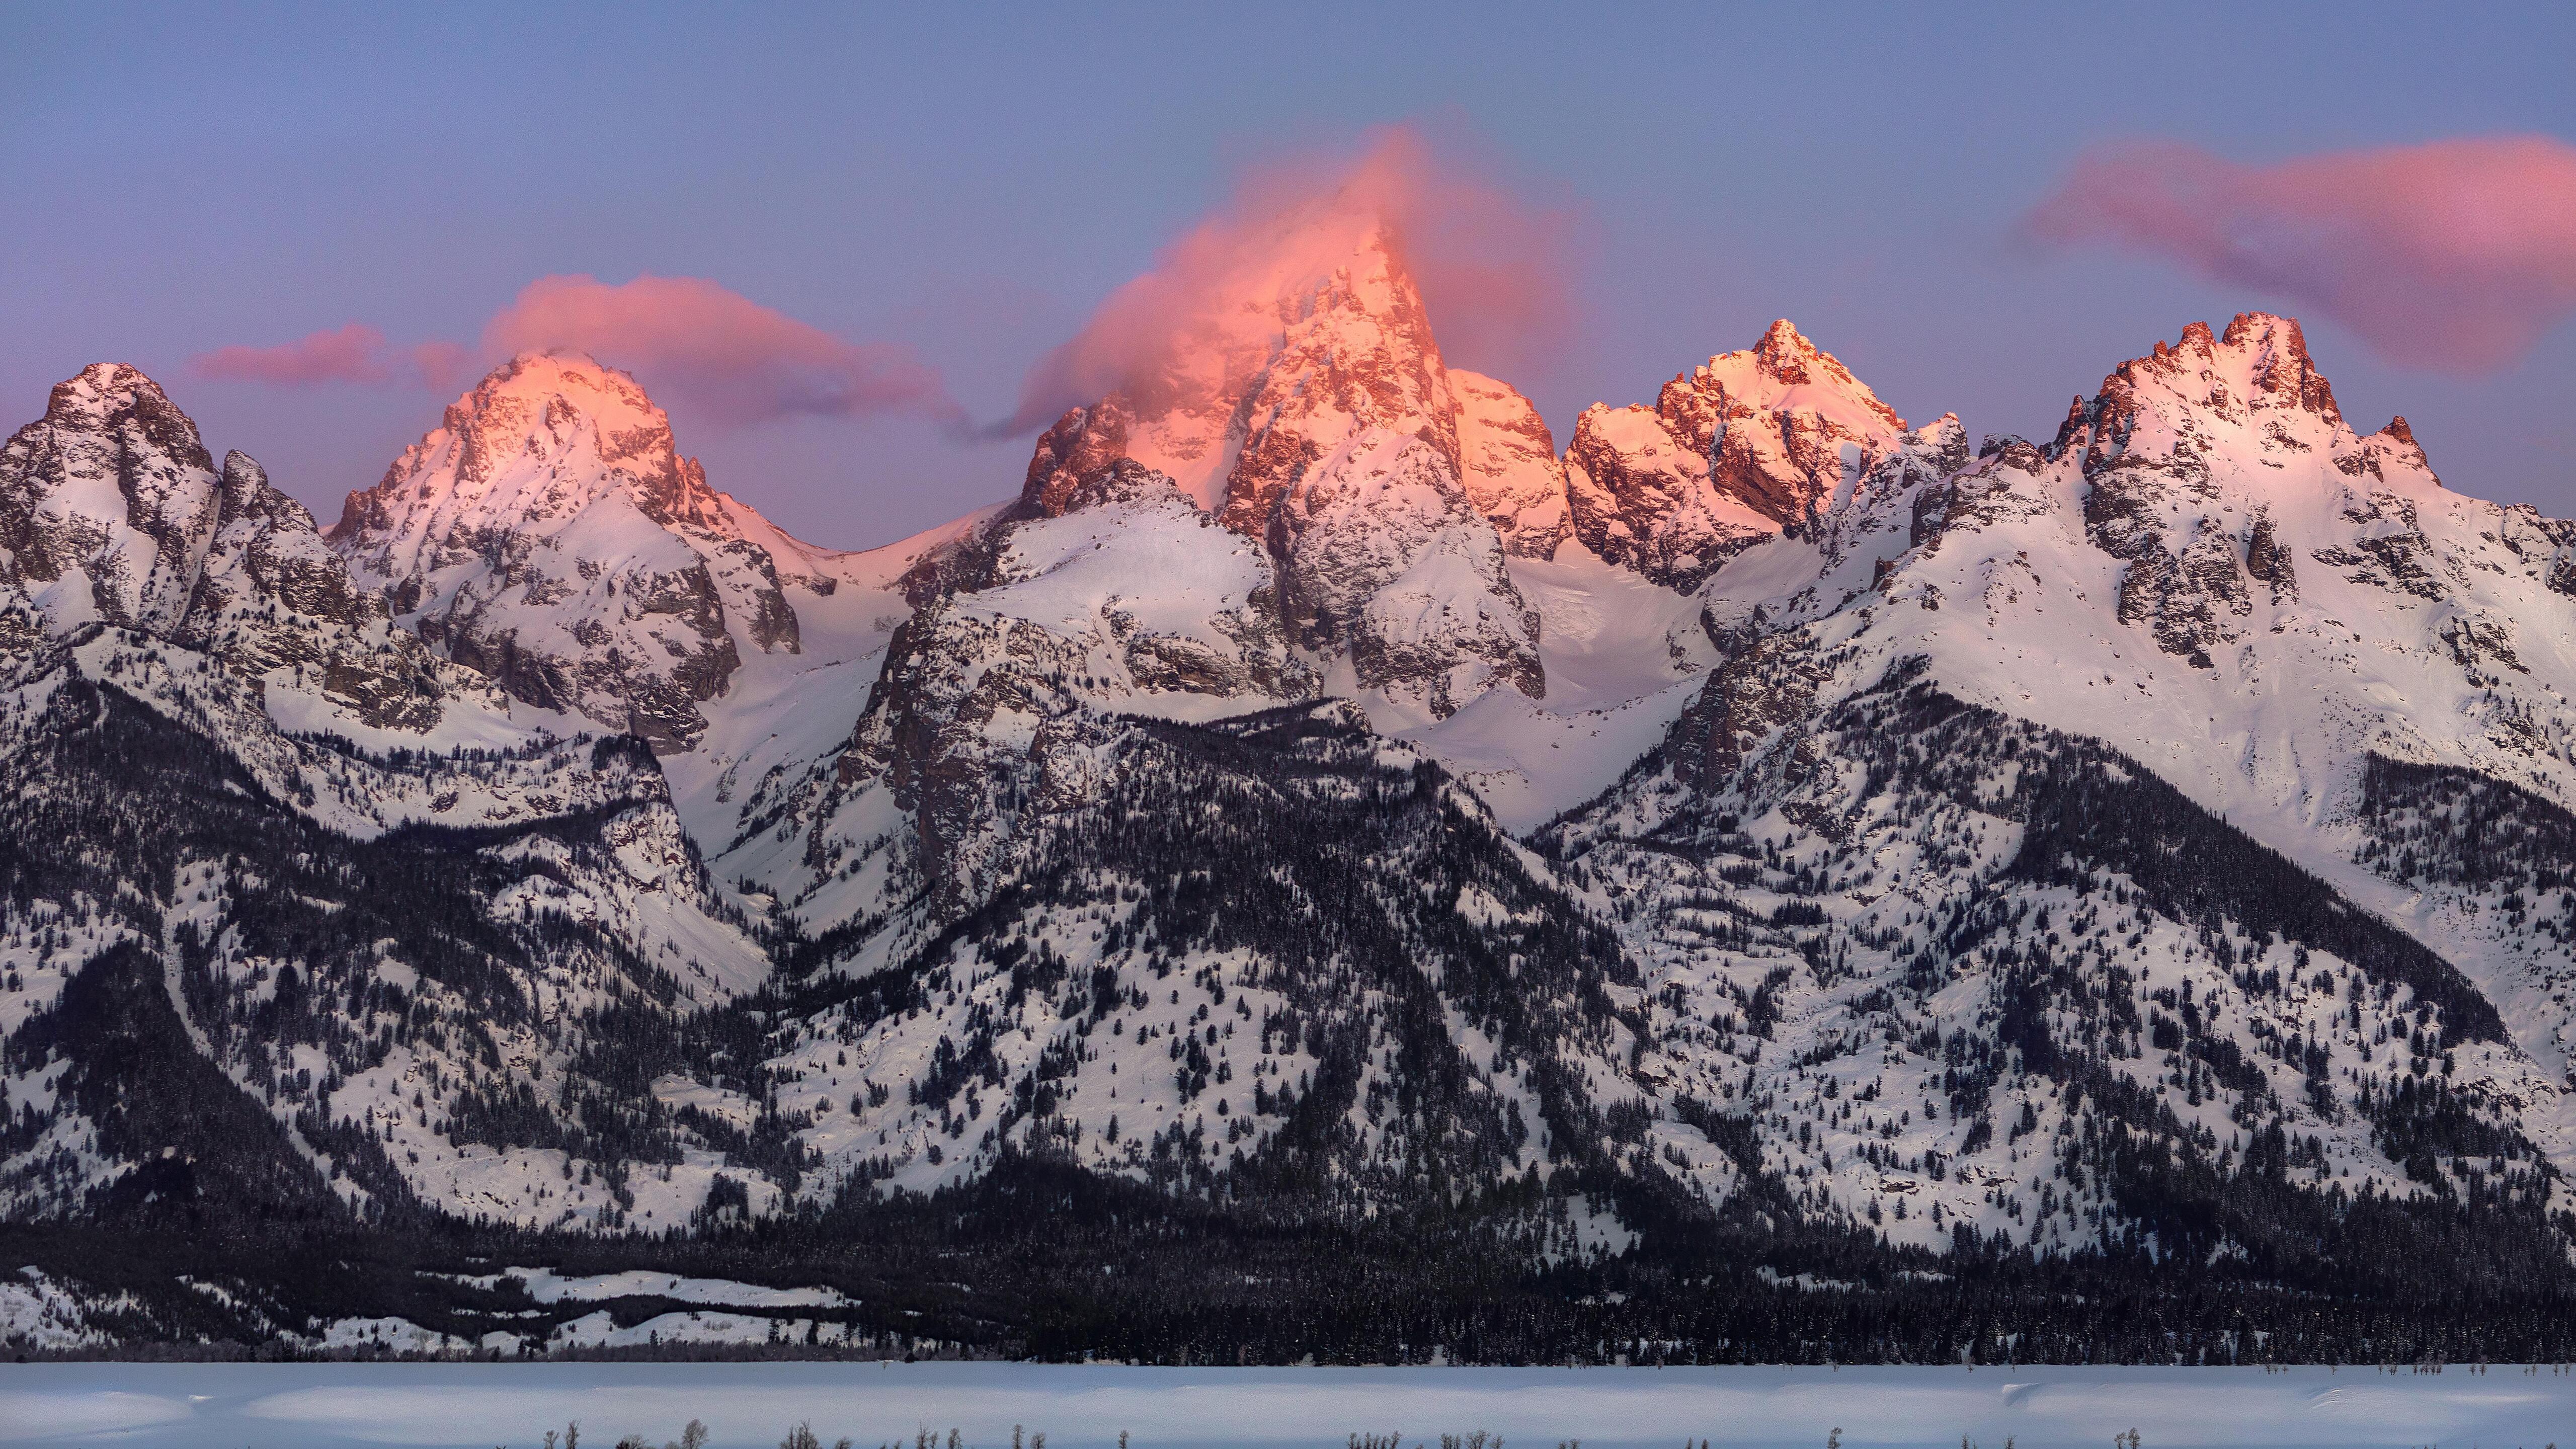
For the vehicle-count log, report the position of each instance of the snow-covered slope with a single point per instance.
(1623, 656)
(2210, 570)
(2207, 576)
(1137, 605)
(338, 889)
(785, 718)
(1274, 946)
(353, 972)
(1313, 800)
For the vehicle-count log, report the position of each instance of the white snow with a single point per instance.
(545, 1285)
(1088, 1406)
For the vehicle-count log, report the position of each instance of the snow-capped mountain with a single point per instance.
(112, 504)
(975, 750)
(116, 517)
(2028, 755)
(548, 534)
(300, 914)
(1321, 423)
(1761, 840)
(1731, 453)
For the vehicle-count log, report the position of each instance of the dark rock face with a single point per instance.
(2190, 600)
(2269, 561)
(1075, 454)
(107, 505)
(1081, 463)
(1746, 703)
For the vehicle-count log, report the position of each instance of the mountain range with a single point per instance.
(1321, 870)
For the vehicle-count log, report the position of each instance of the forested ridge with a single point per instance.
(1256, 1255)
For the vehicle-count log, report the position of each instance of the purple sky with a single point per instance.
(971, 183)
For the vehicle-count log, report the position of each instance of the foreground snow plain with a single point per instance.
(292, 1406)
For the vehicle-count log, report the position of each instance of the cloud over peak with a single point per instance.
(732, 358)
(687, 339)
(1493, 270)
(356, 353)
(2454, 255)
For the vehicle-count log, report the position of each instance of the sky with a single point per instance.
(888, 219)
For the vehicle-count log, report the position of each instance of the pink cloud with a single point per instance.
(439, 365)
(700, 343)
(2456, 255)
(1492, 271)
(355, 353)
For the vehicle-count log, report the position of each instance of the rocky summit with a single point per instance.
(1314, 869)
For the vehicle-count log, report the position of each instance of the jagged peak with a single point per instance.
(2399, 440)
(2253, 391)
(2268, 330)
(248, 493)
(1944, 433)
(1371, 271)
(1255, 358)
(1337, 242)
(2278, 349)
(1787, 370)
(2079, 416)
(1233, 300)
(245, 482)
(1784, 351)
(1076, 452)
(107, 380)
(582, 383)
(1123, 480)
(560, 407)
(1348, 299)
(108, 394)
(104, 382)
(2263, 352)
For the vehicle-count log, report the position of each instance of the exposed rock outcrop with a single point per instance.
(1730, 454)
